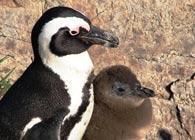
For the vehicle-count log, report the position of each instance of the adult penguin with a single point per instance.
(59, 77)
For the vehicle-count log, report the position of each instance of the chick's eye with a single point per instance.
(120, 89)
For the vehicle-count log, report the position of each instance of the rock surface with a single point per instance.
(157, 41)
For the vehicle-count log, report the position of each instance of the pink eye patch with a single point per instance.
(76, 30)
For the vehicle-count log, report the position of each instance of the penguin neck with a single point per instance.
(134, 116)
(70, 66)
(122, 114)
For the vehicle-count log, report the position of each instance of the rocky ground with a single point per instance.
(157, 41)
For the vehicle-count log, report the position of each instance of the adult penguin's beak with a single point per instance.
(99, 37)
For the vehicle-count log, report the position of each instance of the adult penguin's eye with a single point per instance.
(73, 32)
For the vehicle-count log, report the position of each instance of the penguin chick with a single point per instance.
(122, 109)
(59, 77)
(48, 129)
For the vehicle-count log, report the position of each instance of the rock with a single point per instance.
(184, 97)
(156, 42)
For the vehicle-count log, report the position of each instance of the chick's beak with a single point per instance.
(144, 92)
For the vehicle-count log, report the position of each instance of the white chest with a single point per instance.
(79, 129)
(74, 70)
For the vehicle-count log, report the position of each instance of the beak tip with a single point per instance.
(150, 93)
(113, 41)
(111, 45)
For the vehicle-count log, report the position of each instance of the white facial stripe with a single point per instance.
(52, 27)
(29, 125)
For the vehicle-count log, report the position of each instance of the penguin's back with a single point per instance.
(35, 94)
